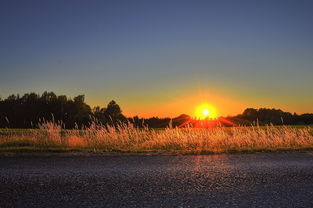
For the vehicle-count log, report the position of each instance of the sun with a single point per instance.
(205, 111)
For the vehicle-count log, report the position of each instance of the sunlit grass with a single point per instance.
(127, 138)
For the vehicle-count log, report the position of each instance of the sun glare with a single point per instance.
(205, 111)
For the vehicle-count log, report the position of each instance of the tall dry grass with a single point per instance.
(127, 138)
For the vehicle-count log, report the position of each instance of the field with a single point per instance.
(128, 139)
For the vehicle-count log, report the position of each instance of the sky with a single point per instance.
(161, 58)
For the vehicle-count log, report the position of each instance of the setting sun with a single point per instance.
(205, 111)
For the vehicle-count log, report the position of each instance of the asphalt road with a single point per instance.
(238, 180)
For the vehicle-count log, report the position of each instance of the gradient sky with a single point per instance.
(161, 58)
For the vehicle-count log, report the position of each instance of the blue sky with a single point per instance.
(151, 55)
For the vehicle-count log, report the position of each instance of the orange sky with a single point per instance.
(172, 104)
(228, 100)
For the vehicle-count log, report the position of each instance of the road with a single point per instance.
(235, 180)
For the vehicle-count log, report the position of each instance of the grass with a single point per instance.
(128, 139)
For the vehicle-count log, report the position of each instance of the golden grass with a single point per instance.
(127, 138)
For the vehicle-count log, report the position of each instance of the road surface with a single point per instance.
(235, 180)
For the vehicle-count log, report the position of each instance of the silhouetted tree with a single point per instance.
(250, 114)
(270, 116)
(31, 108)
(110, 115)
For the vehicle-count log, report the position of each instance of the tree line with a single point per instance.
(266, 116)
(29, 110)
